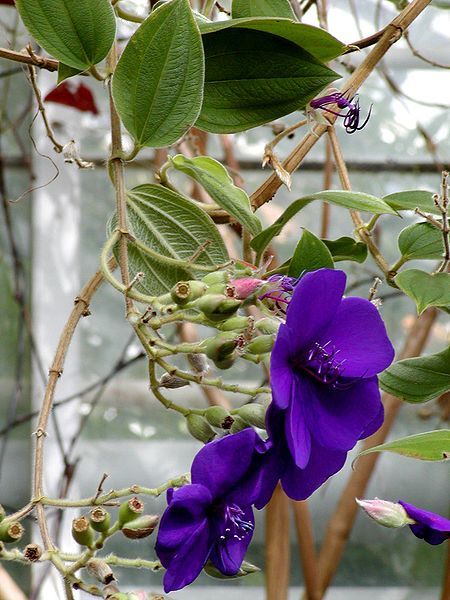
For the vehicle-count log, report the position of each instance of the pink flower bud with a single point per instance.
(245, 286)
(388, 514)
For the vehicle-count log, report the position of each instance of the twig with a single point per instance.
(307, 551)
(421, 56)
(49, 64)
(277, 546)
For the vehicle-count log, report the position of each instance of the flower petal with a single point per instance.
(375, 424)
(337, 418)
(358, 332)
(281, 374)
(297, 434)
(314, 303)
(187, 564)
(227, 555)
(221, 464)
(299, 484)
(431, 527)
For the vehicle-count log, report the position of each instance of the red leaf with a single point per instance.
(77, 96)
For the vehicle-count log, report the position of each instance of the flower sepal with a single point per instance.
(385, 513)
(246, 568)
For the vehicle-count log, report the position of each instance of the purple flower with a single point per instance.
(212, 518)
(428, 526)
(280, 291)
(351, 117)
(324, 369)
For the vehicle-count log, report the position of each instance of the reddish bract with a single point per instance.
(76, 95)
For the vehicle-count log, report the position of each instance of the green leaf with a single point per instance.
(262, 8)
(314, 40)
(421, 241)
(418, 379)
(425, 289)
(172, 226)
(354, 200)
(310, 254)
(431, 445)
(64, 72)
(412, 199)
(346, 248)
(253, 77)
(157, 84)
(217, 182)
(79, 33)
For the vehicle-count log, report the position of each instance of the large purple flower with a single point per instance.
(428, 526)
(324, 369)
(212, 518)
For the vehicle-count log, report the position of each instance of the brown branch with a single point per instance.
(49, 64)
(277, 546)
(445, 594)
(308, 555)
(340, 524)
(327, 184)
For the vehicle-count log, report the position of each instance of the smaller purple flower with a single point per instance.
(351, 117)
(212, 518)
(280, 291)
(428, 526)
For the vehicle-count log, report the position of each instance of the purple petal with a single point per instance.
(358, 332)
(431, 527)
(313, 305)
(281, 375)
(187, 564)
(337, 418)
(299, 484)
(221, 464)
(297, 434)
(227, 555)
(374, 425)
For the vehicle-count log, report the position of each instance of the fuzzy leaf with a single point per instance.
(64, 72)
(425, 289)
(421, 241)
(210, 174)
(157, 85)
(78, 33)
(346, 248)
(310, 254)
(431, 445)
(262, 8)
(412, 199)
(418, 379)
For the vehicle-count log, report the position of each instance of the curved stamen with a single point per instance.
(234, 526)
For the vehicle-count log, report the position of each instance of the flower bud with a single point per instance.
(253, 414)
(267, 325)
(217, 307)
(82, 532)
(227, 362)
(261, 344)
(99, 519)
(199, 428)
(217, 416)
(141, 527)
(172, 382)
(221, 346)
(246, 286)
(2, 513)
(216, 277)
(388, 514)
(32, 552)
(245, 569)
(187, 291)
(11, 531)
(199, 363)
(237, 324)
(100, 570)
(238, 425)
(130, 510)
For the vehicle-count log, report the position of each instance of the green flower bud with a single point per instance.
(261, 344)
(238, 424)
(130, 510)
(227, 362)
(141, 527)
(11, 531)
(216, 277)
(198, 362)
(187, 291)
(32, 552)
(245, 569)
(199, 428)
(217, 307)
(2, 513)
(82, 532)
(253, 414)
(237, 324)
(99, 519)
(267, 325)
(222, 345)
(217, 416)
(100, 570)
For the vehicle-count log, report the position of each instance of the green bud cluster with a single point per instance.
(187, 291)
(219, 417)
(217, 307)
(199, 428)
(253, 414)
(130, 510)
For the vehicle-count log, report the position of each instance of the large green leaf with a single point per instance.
(346, 248)
(219, 185)
(412, 199)
(174, 227)
(253, 77)
(79, 33)
(425, 289)
(431, 445)
(353, 200)
(310, 254)
(421, 241)
(314, 40)
(262, 8)
(418, 379)
(158, 82)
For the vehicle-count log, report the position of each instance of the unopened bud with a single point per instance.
(187, 291)
(217, 307)
(172, 382)
(199, 428)
(246, 286)
(261, 344)
(82, 532)
(388, 514)
(237, 324)
(245, 569)
(141, 527)
(216, 277)
(100, 570)
(217, 416)
(11, 531)
(130, 510)
(32, 552)
(238, 424)
(267, 325)
(227, 362)
(99, 519)
(198, 362)
(253, 414)
(221, 346)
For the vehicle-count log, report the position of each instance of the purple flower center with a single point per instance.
(233, 525)
(281, 292)
(322, 363)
